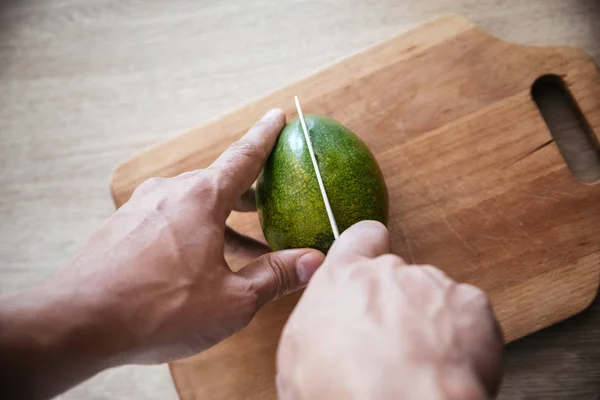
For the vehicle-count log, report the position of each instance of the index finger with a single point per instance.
(241, 163)
(365, 239)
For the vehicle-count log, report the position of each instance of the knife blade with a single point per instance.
(334, 227)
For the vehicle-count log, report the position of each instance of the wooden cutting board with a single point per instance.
(477, 185)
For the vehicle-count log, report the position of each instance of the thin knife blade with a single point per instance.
(334, 227)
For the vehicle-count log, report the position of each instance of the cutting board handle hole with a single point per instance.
(570, 130)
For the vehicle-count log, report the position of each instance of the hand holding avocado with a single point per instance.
(152, 285)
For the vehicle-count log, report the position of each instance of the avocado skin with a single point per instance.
(289, 203)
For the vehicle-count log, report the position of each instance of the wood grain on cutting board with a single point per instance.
(476, 185)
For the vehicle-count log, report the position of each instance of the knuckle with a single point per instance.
(188, 174)
(477, 303)
(473, 296)
(151, 184)
(390, 260)
(434, 271)
(283, 278)
(200, 188)
(204, 185)
(153, 181)
(414, 273)
(220, 178)
(201, 181)
(247, 149)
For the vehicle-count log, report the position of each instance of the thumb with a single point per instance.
(276, 274)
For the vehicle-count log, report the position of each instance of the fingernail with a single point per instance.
(272, 113)
(307, 265)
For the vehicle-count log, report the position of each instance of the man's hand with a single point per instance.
(371, 327)
(152, 284)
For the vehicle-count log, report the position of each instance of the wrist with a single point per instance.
(50, 341)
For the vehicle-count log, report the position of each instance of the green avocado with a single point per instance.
(290, 206)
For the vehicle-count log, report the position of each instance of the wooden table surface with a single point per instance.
(84, 83)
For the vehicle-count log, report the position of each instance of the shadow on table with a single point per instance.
(591, 9)
(7, 9)
(9, 19)
(560, 362)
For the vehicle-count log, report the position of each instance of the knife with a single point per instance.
(334, 227)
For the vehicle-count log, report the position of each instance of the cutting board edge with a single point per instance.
(587, 298)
